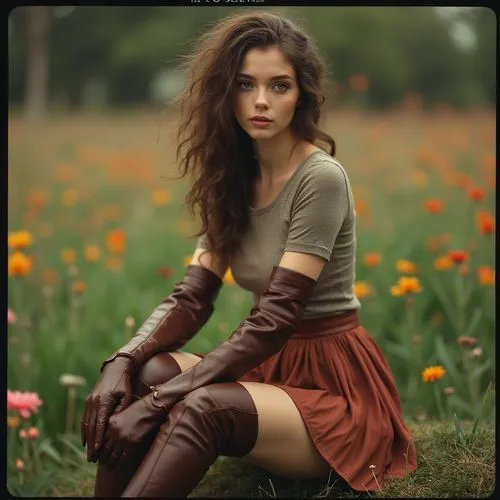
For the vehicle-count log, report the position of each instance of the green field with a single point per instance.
(110, 237)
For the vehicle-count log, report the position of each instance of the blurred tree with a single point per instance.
(37, 29)
(396, 49)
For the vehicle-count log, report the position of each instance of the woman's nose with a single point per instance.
(261, 100)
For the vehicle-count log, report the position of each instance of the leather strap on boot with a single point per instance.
(271, 322)
(176, 320)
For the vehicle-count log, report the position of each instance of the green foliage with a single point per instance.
(399, 49)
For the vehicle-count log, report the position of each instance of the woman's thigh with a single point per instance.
(185, 360)
(284, 446)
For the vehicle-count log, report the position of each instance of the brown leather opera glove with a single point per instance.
(270, 324)
(177, 319)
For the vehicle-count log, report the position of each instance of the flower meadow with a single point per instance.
(98, 235)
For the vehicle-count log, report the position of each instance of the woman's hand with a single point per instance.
(112, 393)
(129, 428)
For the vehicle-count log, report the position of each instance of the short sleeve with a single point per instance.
(318, 210)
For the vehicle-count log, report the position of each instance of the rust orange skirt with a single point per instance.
(342, 384)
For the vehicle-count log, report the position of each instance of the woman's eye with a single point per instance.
(244, 84)
(281, 87)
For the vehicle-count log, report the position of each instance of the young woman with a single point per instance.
(300, 388)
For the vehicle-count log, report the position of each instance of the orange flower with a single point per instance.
(187, 260)
(68, 256)
(13, 421)
(486, 275)
(433, 205)
(165, 272)
(37, 199)
(161, 197)
(114, 263)
(111, 212)
(359, 83)
(69, 197)
(419, 178)
(50, 276)
(442, 263)
(458, 256)
(362, 289)
(406, 267)
(19, 264)
(46, 230)
(475, 194)
(65, 173)
(20, 239)
(92, 253)
(433, 243)
(115, 240)
(228, 277)
(485, 222)
(372, 259)
(405, 285)
(433, 373)
(78, 287)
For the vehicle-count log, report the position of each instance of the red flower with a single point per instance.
(475, 194)
(433, 205)
(458, 256)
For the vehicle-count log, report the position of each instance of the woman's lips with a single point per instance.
(260, 123)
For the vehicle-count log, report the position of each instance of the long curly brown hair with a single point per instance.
(212, 147)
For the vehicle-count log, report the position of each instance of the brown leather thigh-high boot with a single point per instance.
(157, 370)
(217, 419)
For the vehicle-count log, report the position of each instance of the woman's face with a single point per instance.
(266, 87)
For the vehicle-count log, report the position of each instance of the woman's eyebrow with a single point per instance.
(277, 77)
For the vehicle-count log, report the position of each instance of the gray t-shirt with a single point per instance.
(314, 214)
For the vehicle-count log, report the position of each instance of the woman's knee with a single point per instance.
(160, 368)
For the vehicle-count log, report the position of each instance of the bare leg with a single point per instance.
(159, 369)
(284, 446)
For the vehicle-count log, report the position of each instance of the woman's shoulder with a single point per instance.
(324, 168)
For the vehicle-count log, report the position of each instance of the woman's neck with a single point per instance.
(275, 157)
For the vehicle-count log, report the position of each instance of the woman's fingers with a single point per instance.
(103, 413)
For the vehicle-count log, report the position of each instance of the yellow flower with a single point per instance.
(20, 239)
(442, 263)
(187, 260)
(161, 197)
(433, 373)
(92, 253)
(228, 278)
(362, 289)
(19, 264)
(68, 256)
(405, 285)
(406, 267)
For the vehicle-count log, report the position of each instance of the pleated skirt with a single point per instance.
(343, 386)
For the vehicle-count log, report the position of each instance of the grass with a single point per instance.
(446, 469)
